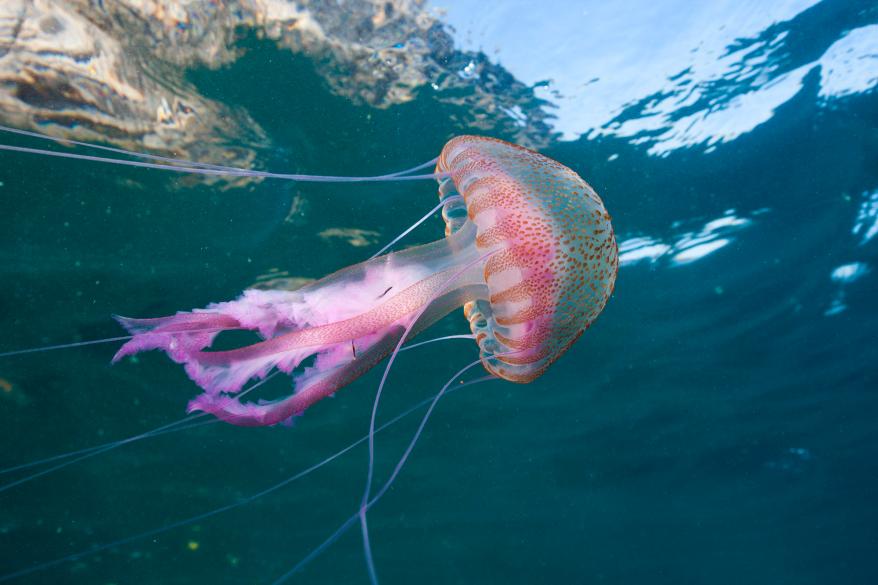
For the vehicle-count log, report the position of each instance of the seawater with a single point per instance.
(715, 425)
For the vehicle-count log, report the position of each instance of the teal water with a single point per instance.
(715, 425)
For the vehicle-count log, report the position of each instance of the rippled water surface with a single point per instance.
(715, 425)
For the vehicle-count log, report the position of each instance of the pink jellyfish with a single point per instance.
(529, 253)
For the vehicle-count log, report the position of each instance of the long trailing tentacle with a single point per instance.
(468, 336)
(64, 346)
(143, 155)
(175, 426)
(368, 488)
(186, 166)
(168, 159)
(93, 550)
(351, 520)
(223, 172)
(412, 227)
(88, 453)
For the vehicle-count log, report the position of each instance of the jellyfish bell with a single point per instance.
(557, 257)
(529, 253)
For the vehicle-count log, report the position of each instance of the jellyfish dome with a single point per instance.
(557, 260)
(529, 253)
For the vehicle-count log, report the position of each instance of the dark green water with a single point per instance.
(716, 425)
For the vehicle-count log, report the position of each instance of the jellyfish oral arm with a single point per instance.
(348, 322)
(339, 361)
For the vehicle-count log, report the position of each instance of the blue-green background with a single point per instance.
(716, 425)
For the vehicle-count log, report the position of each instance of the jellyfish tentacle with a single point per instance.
(367, 546)
(328, 381)
(78, 455)
(446, 389)
(88, 453)
(96, 549)
(467, 336)
(398, 468)
(173, 427)
(178, 161)
(336, 366)
(221, 172)
(426, 307)
(227, 371)
(123, 151)
(411, 228)
(134, 326)
(70, 345)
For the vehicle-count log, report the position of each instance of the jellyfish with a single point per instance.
(529, 253)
